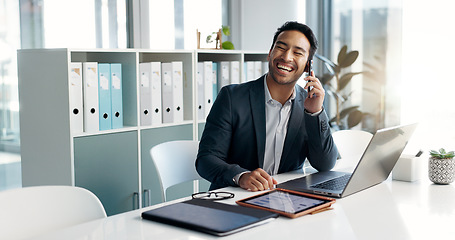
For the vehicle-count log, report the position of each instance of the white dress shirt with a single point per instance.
(276, 126)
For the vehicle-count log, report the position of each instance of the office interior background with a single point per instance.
(408, 43)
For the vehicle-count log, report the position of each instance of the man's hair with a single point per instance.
(301, 28)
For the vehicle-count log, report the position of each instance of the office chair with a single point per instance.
(32, 211)
(351, 144)
(175, 163)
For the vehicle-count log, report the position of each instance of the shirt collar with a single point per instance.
(268, 96)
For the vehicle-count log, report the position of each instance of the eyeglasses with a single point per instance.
(213, 195)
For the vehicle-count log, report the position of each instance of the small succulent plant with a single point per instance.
(442, 154)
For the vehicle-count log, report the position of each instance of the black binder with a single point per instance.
(209, 216)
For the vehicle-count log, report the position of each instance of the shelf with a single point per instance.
(114, 164)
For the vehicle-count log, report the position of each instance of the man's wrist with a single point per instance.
(315, 113)
(237, 178)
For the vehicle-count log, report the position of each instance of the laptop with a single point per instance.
(374, 166)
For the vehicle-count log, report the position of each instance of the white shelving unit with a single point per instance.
(114, 164)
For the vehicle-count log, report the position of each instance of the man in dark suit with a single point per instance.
(270, 125)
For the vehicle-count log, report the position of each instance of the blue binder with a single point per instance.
(215, 80)
(116, 95)
(104, 91)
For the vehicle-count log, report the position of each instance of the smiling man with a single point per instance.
(270, 125)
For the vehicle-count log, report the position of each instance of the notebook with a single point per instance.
(374, 167)
(210, 217)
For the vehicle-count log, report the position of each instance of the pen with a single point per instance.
(419, 153)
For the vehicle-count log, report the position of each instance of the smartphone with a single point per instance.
(310, 69)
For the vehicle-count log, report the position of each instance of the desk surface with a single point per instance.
(390, 210)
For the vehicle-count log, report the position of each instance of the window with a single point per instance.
(84, 24)
(50, 24)
(9, 101)
(413, 54)
(374, 29)
(428, 78)
(209, 21)
(173, 24)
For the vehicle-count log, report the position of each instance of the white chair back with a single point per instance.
(32, 211)
(175, 162)
(351, 144)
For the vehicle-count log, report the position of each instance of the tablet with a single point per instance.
(288, 203)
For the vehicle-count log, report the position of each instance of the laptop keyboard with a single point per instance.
(334, 184)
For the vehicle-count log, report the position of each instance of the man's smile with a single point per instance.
(284, 67)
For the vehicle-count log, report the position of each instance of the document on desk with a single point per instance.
(210, 217)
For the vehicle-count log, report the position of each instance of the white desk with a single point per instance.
(390, 210)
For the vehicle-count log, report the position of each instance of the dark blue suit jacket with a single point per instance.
(233, 140)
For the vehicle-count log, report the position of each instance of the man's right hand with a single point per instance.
(257, 180)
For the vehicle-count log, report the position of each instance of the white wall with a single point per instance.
(259, 19)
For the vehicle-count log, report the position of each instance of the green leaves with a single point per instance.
(442, 154)
(226, 30)
(345, 79)
(227, 45)
(209, 39)
(346, 59)
(353, 114)
(354, 118)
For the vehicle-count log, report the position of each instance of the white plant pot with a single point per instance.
(441, 171)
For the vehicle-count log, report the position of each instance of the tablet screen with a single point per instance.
(285, 201)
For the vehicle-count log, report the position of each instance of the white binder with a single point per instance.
(265, 67)
(208, 87)
(155, 92)
(257, 69)
(145, 94)
(166, 92)
(200, 105)
(214, 81)
(249, 71)
(150, 93)
(90, 80)
(172, 92)
(116, 95)
(76, 98)
(223, 74)
(234, 72)
(177, 83)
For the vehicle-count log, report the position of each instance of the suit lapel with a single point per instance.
(257, 101)
(295, 121)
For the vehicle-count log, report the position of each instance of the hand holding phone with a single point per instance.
(315, 98)
(310, 72)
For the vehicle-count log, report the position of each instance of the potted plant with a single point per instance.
(441, 166)
(346, 116)
(216, 38)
